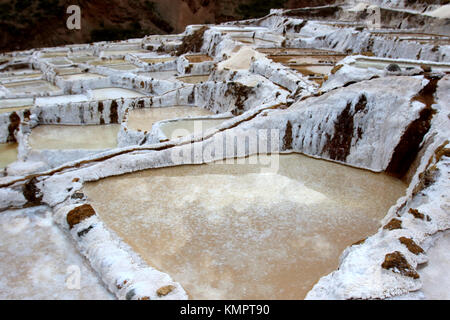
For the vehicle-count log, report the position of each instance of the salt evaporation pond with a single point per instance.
(185, 127)
(8, 154)
(234, 232)
(114, 93)
(34, 87)
(9, 105)
(194, 79)
(143, 119)
(69, 137)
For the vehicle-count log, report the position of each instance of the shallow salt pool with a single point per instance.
(234, 232)
(143, 119)
(33, 87)
(194, 79)
(67, 137)
(181, 128)
(114, 93)
(8, 154)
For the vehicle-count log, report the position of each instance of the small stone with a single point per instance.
(411, 245)
(393, 67)
(425, 68)
(78, 214)
(164, 291)
(393, 224)
(416, 213)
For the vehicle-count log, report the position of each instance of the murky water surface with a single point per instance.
(234, 232)
(8, 154)
(65, 137)
(143, 119)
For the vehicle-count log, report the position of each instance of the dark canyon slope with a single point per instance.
(28, 24)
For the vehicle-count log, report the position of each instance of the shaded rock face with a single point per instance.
(393, 224)
(409, 145)
(192, 42)
(14, 122)
(338, 146)
(32, 193)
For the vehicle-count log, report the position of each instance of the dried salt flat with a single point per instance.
(39, 261)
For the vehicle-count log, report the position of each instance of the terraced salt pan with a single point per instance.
(143, 119)
(6, 110)
(38, 261)
(8, 154)
(65, 137)
(122, 52)
(160, 75)
(42, 101)
(82, 59)
(158, 60)
(312, 69)
(82, 76)
(198, 58)
(295, 51)
(69, 70)
(123, 66)
(31, 87)
(306, 59)
(185, 127)
(382, 64)
(114, 93)
(234, 232)
(107, 62)
(13, 103)
(18, 77)
(194, 79)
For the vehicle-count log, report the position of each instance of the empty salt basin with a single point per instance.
(143, 119)
(234, 232)
(184, 127)
(8, 154)
(194, 79)
(68, 137)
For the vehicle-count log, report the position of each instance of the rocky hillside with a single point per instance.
(29, 24)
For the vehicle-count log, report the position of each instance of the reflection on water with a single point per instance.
(232, 232)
